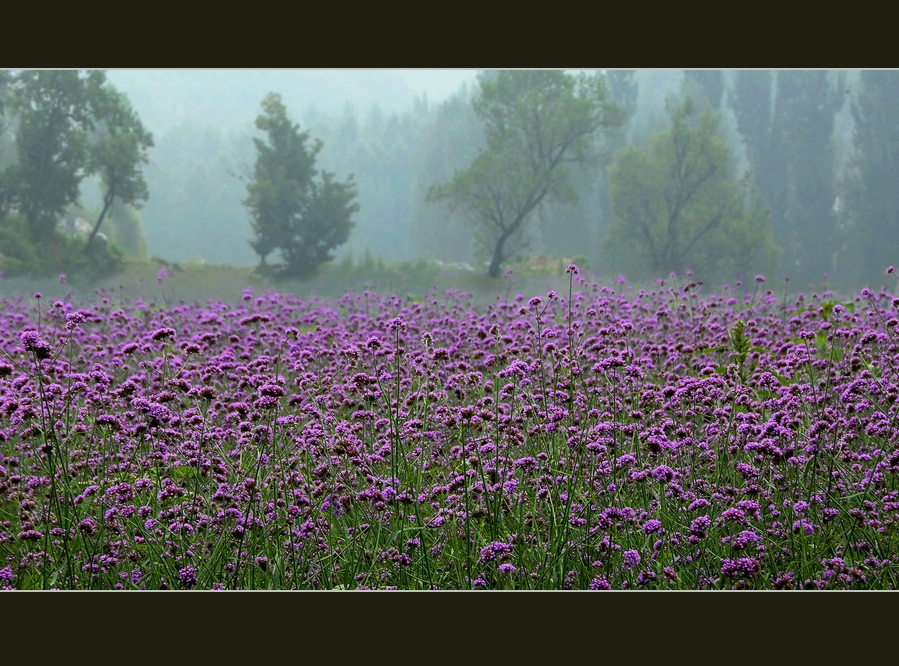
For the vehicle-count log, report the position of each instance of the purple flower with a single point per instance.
(188, 576)
(663, 473)
(87, 526)
(600, 584)
(631, 559)
(646, 577)
(804, 525)
(33, 342)
(163, 333)
(743, 539)
(31, 535)
(651, 526)
(74, 319)
(496, 550)
(506, 568)
(744, 567)
(699, 526)
(734, 515)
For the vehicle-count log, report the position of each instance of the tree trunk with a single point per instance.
(107, 202)
(497, 259)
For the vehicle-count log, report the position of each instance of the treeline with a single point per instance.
(723, 173)
(808, 154)
(57, 130)
(198, 176)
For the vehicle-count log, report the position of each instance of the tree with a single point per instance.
(869, 190)
(68, 125)
(291, 211)
(576, 228)
(5, 86)
(806, 107)
(117, 153)
(677, 205)
(786, 119)
(6, 144)
(536, 123)
(451, 137)
(705, 84)
(55, 117)
(624, 91)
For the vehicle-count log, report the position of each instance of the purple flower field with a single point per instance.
(607, 438)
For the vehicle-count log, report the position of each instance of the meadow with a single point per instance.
(604, 437)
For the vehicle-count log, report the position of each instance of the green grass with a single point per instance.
(194, 282)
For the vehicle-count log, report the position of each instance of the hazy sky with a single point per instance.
(437, 83)
(228, 98)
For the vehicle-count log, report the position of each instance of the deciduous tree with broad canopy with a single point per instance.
(117, 154)
(536, 124)
(69, 125)
(678, 206)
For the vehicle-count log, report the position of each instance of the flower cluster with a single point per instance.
(612, 438)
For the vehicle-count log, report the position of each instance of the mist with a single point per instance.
(799, 143)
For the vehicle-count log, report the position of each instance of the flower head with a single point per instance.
(188, 576)
(163, 333)
(33, 342)
(599, 583)
(631, 559)
(651, 526)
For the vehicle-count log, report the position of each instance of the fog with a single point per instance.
(229, 99)
(203, 122)
(812, 148)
